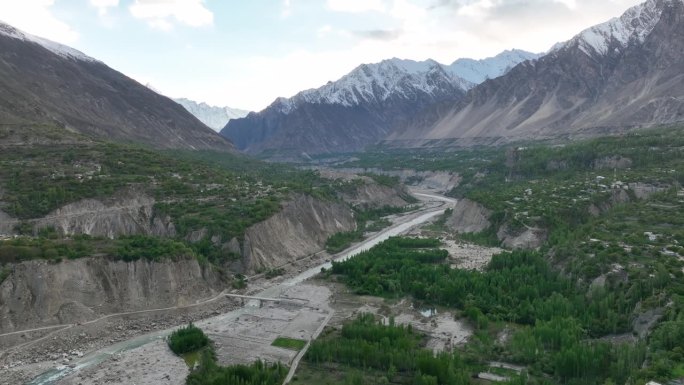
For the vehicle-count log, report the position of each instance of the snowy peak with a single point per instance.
(375, 83)
(401, 78)
(59, 49)
(634, 25)
(477, 71)
(213, 116)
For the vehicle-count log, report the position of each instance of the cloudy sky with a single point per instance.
(245, 53)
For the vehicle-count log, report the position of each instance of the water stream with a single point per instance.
(51, 376)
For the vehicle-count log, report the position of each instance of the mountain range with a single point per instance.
(46, 83)
(213, 116)
(612, 77)
(363, 106)
(625, 73)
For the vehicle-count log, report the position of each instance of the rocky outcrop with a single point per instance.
(644, 190)
(6, 224)
(613, 162)
(39, 293)
(469, 217)
(527, 238)
(441, 181)
(127, 213)
(299, 229)
(370, 194)
(621, 194)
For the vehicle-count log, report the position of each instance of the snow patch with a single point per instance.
(477, 71)
(54, 47)
(375, 83)
(634, 25)
(213, 116)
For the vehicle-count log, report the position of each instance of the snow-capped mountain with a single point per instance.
(625, 73)
(49, 84)
(375, 83)
(362, 106)
(633, 26)
(54, 47)
(212, 116)
(477, 71)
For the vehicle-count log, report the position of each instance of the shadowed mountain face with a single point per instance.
(347, 115)
(42, 82)
(362, 107)
(622, 74)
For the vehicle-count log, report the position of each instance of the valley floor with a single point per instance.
(243, 329)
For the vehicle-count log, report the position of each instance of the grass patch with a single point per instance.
(289, 343)
(191, 358)
(678, 371)
(4, 273)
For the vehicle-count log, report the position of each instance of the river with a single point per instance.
(402, 225)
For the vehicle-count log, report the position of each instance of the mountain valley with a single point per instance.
(513, 220)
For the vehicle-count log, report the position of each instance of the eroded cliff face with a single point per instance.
(127, 213)
(6, 224)
(525, 238)
(469, 217)
(373, 195)
(39, 293)
(299, 229)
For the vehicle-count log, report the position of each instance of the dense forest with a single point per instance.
(393, 352)
(560, 323)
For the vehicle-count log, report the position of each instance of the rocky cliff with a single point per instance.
(39, 293)
(469, 217)
(299, 229)
(127, 213)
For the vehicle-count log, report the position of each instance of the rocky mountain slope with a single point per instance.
(361, 107)
(214, 117)
(42, 82)
(624, 73)
(298, 230)
(40, 293)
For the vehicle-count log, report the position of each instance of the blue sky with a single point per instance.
(245, 53)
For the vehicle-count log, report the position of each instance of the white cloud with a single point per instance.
(324, 31)
(103, 5)
(357, 6)
(36, 17)
(287, 9)
(164, 14)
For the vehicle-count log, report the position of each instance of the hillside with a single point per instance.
(618, 75)
(42, 82)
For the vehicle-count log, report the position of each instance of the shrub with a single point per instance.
(187, 339)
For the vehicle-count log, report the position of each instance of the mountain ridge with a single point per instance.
(216, 117)
(582, 87)
(358, 109)
(47, 83)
